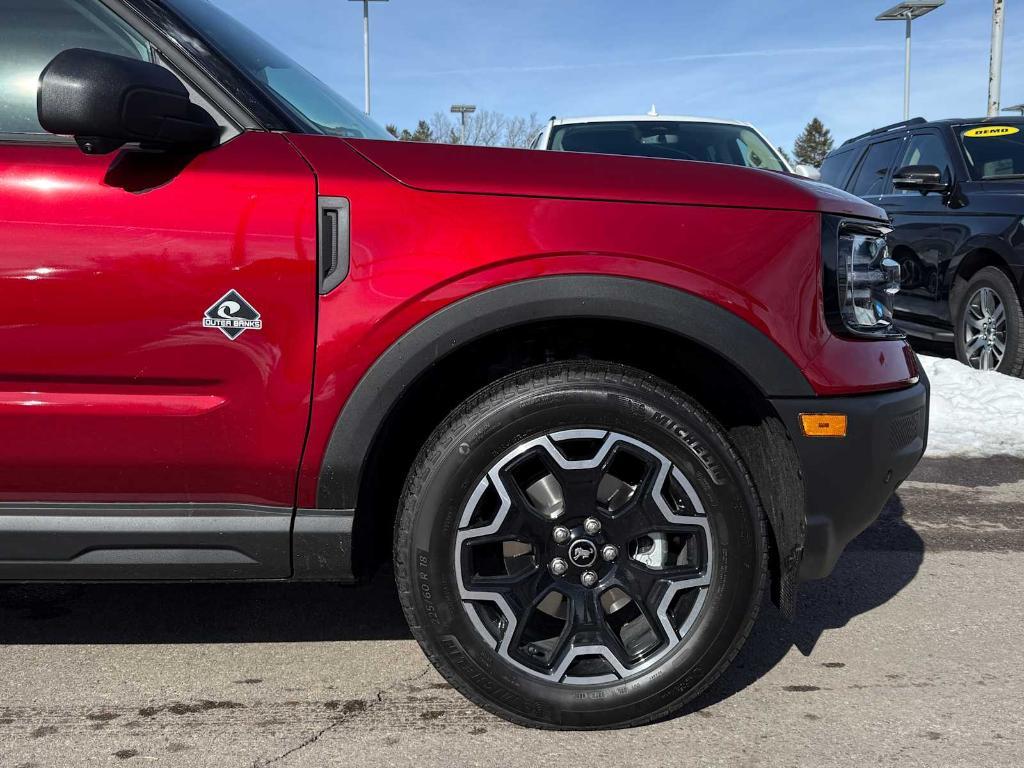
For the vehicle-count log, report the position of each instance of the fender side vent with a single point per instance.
(333, 242)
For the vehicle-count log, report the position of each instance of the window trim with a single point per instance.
(28, 139)
(233, 87)
(937, 134)
(961, 151)
(165, 55)
(31, 137)
(857, 153)
(910, 201)
(863, 158)
(195, 76)
(959, 167)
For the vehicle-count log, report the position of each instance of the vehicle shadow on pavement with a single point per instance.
(879, 563)
(200, 613)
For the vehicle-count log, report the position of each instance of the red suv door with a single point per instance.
(158, 325)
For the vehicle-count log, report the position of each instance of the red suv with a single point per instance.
(591, 406)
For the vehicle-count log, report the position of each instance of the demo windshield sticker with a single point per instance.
(991, 132)
(233, 315)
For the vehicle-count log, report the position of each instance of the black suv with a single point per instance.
(954, 190)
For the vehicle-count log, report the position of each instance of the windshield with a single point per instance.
(993, 151)
(309, 100)
(708, 142)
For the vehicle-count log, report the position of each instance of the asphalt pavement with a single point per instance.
(911, 654)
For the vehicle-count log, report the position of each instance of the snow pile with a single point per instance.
(974, 413)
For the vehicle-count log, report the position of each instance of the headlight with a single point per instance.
(860, 279)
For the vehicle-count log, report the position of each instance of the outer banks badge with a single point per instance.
(233, 315)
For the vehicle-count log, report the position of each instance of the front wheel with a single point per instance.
(990, 324)
(579, 546)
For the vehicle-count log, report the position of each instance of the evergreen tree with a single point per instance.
(423, 132)
(785, 155)
(813, 144)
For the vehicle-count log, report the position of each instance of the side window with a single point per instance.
(874, 168)
(926, 149)
(836, 167)
(34, 31)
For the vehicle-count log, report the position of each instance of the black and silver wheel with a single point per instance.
(990, 325)
(580, 547)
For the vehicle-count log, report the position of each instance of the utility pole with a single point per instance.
(366, 49)
(995, 64)
(906, 69)
(463, 109)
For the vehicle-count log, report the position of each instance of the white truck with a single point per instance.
(676, 137)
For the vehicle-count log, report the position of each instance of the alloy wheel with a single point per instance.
(984, 329)
(584, 557)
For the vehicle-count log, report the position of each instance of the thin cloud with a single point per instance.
(693, 57)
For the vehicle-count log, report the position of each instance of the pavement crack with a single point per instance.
(350, 713)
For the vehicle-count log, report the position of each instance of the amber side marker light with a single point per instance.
(823, 424)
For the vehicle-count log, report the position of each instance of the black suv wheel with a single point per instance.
(579, 546)
(989, 332)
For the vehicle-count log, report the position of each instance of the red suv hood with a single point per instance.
(531, 173)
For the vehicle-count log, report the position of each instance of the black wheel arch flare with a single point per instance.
(563, 296)
(569, 297)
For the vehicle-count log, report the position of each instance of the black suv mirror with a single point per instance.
(923, 178)
(105, 101)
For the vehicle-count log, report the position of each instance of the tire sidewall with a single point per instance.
(990, 277)
(671, 425)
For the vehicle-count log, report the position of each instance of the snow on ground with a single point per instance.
(974, 413)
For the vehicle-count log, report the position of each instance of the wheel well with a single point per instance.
(973, 263)
(721, 388)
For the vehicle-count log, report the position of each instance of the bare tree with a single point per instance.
(444, 129)
(520, 131)
(486, 129)
(483, 129)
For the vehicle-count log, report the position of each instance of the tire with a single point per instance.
(615, 440)
(989, 324)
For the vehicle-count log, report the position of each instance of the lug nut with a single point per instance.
(561, 534)
(592, 525)
(558, 566)
(589, 578)
(609, 552)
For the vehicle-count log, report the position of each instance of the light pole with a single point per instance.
(907, 11)
(995, 62)
(366, 47)
(463, 109)
(1015, 108)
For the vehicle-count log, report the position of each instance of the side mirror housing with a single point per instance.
(106, 101)
(923, 178)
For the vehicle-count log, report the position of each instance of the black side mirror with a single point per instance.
(105, 101)
(923, 178)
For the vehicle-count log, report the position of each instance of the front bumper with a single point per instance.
(847, 481)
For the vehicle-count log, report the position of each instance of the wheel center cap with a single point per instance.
(583, 553)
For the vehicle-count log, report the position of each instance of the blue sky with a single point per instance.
(776, 63)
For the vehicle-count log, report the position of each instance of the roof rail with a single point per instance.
(886, 129)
